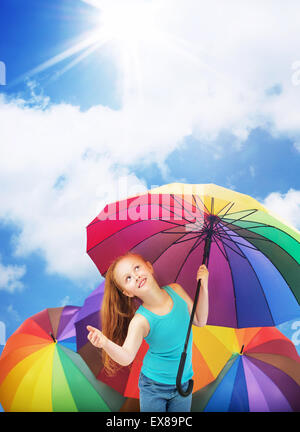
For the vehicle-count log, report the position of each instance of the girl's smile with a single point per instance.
(142, 282)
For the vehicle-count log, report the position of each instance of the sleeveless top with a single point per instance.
(166, 340)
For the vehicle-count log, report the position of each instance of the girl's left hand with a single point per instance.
(96, 337)
(203, 274)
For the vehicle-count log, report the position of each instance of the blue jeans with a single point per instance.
(159, 397)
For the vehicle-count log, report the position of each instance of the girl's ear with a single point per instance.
(126, 294)
(150, 266)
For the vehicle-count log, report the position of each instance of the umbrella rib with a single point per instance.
(276, 266)
(134, 223)
(233, 286)
(236, 242)
(216, 238)
(261, 226)
(159, 232)
(191, 214)
(259, 286)
(167, 221)
(168, 247)
(232, 228)
(201, 211)
(248, 228)
(227, 237)
(200, 239)
(189, 252)
(176, 214)
(142, 205)
(164, 249)
(253, 238)
(201, 203)
(261, 237)
(242, 217)
(111, 235)
(138, 221)
(185, 240)
(178, 232)
(232, 204)
(225, 244)
(243, 211)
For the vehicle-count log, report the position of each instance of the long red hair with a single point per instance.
(116, 313)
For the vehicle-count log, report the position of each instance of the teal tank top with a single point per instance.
(166, 340)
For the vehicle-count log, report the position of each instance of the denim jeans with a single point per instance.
(159, 397)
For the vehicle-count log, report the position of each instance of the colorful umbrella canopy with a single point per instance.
(291, 329)
(89, 314)
(39, 371)
(254, 256)
(258, 369)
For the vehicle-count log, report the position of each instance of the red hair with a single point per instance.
(116, 313)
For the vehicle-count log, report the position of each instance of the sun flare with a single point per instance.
(128, 28)
(127, 22)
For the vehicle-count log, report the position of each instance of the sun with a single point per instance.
(128, 27)
(128, 22)
(122, 23)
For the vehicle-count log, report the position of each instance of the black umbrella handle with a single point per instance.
(179, 377)
(183, 355)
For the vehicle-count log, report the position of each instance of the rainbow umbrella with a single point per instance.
(257, 369)
(253, 256)
(39, 371)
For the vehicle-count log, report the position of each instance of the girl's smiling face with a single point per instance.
(133, 275)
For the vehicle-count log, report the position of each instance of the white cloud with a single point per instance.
(10, 277)
(65, 301)
(297, 145)
(56, 175)
(2, 333)
(210, 67)
(13, 313)
(207, 71)
(286, 206)
(252, 170)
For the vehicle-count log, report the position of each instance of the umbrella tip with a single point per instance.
(241, 352)
(54, 340)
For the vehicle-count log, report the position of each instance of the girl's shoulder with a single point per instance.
(183, 294)
(140, 320)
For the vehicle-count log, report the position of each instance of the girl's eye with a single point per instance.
(128, 278)
(137, 267)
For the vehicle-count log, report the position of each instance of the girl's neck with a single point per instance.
(154, 297)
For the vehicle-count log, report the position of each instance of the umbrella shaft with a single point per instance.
(204, 261)
(54, 340)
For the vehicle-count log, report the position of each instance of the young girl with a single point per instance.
(162, 319)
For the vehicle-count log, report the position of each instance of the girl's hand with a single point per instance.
(96, 337)
(202, 274)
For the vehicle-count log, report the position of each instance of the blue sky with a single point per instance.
(188, 95)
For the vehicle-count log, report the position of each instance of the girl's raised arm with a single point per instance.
(201, 312)
(126, 353)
